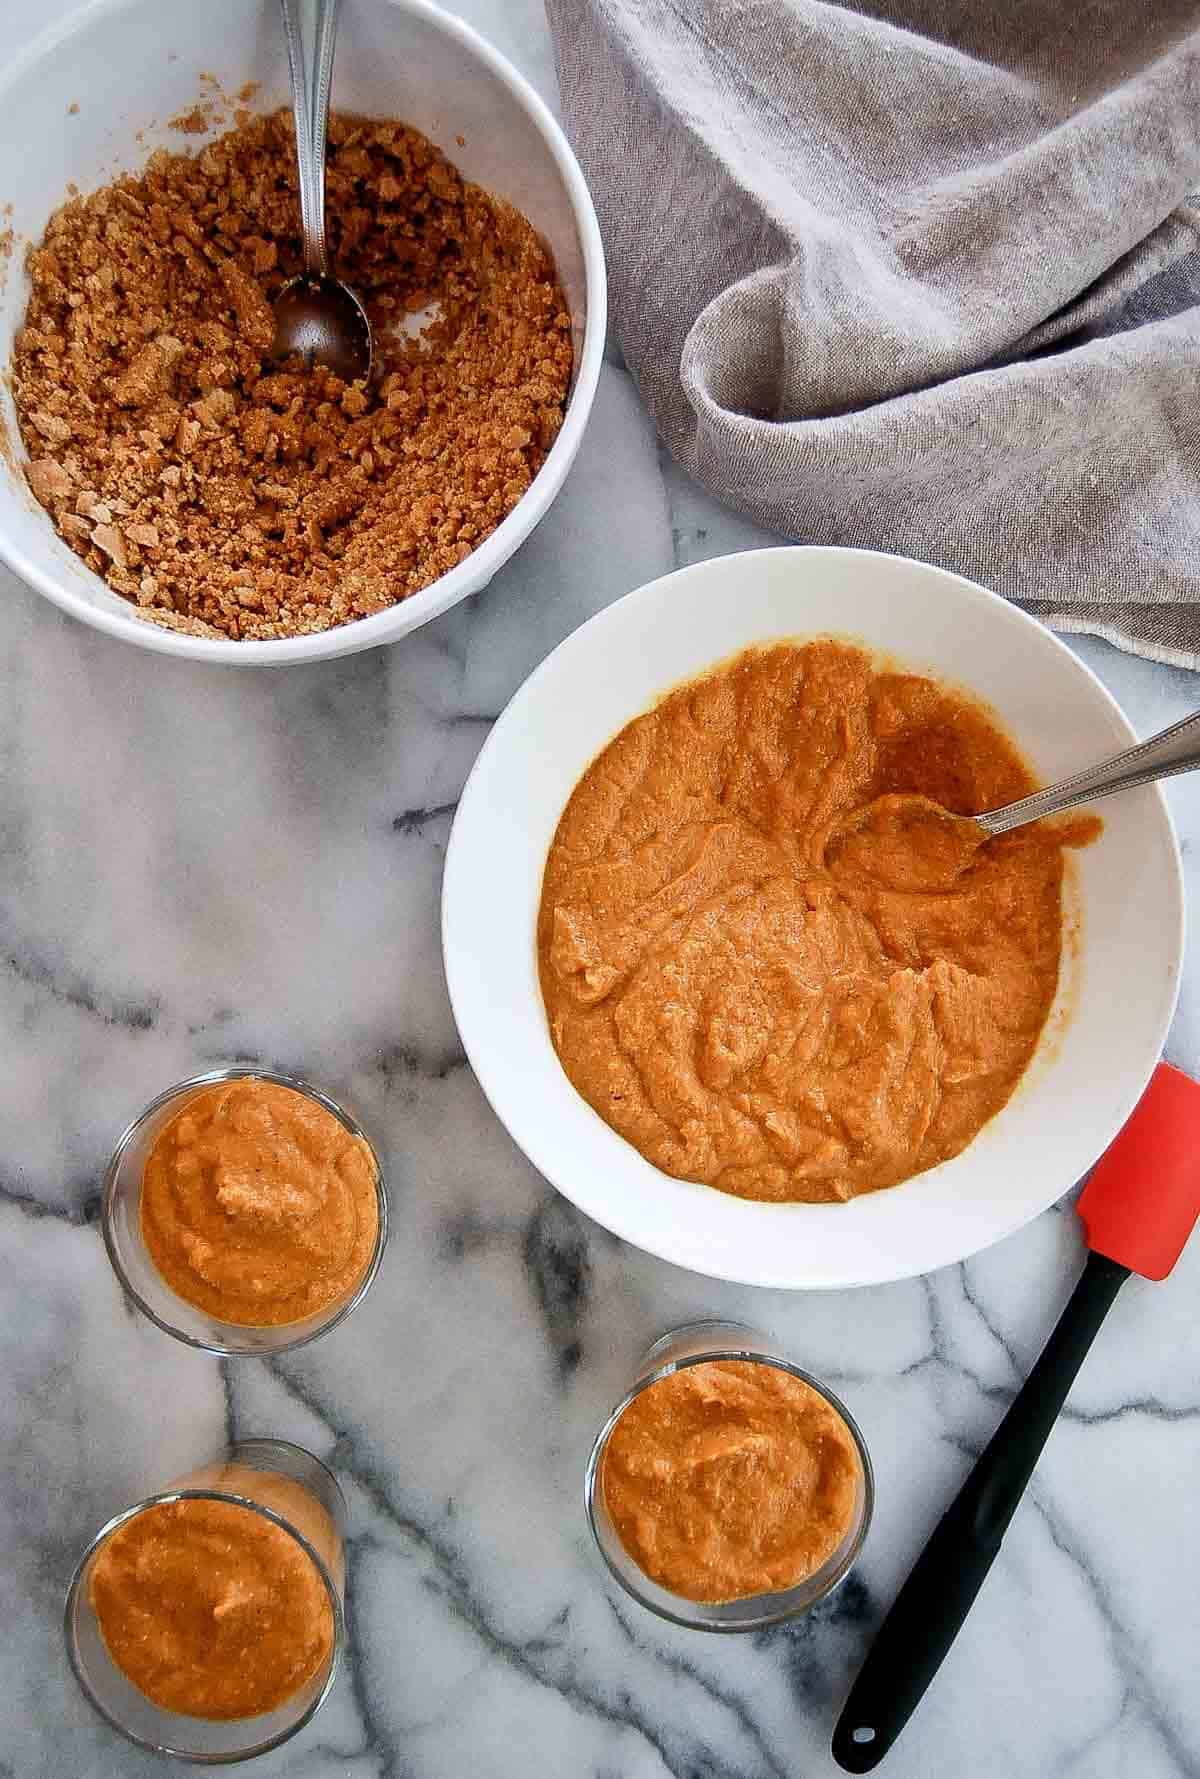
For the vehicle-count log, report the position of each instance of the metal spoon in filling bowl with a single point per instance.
(904, 841)
(315, 314)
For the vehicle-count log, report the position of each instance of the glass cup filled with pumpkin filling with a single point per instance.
(728, 1490)
(206, 1621)
(245, 1212)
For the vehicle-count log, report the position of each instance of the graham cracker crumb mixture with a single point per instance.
(225, 495)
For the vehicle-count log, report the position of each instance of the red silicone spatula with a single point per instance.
(1138, 1209)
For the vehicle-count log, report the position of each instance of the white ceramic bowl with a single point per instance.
(131, 65)
(1115, 1000)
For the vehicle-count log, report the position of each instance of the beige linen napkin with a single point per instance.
(919, 275)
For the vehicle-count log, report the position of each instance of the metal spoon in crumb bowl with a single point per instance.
(316, 315)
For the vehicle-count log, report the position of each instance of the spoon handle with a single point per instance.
(1176, 749)
(310, 63)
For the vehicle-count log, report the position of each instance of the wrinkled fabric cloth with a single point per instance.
(918, 275)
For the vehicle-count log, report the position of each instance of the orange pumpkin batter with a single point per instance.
(730, 1478)
(258, 1205)
(759, 994)
(212, 1610)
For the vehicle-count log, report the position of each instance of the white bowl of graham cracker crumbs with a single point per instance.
(160, 481)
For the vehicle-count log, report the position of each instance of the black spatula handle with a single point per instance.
(931, 1606)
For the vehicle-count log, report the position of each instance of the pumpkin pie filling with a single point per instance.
(258, 1205)
(729, 1479)
(210, 1608)
(764, 989)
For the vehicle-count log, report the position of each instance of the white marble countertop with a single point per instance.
(202, 866)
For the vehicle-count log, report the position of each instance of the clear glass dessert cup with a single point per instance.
(700, 1343)
(121, 1223)
(260, 1475)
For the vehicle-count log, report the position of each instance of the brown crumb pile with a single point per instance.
(226, 495)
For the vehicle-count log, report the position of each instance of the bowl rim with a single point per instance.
(468, 577)
(526, 1132)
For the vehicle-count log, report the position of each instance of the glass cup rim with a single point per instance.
(166, 1497)
(213, 1078)
(768, 1618)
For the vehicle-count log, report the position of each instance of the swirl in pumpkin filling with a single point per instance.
(764, 978)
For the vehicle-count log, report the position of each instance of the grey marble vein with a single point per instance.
(63, 984)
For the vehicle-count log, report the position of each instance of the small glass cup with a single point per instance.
(121, 1222)
(699, 1343)
(261, 1475)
